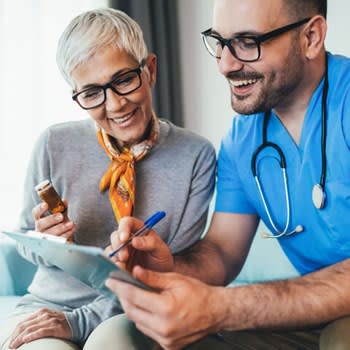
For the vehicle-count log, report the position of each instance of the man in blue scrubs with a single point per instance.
(293, 98)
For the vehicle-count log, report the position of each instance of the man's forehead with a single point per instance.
(236, 16)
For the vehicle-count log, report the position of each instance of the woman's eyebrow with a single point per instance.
(113, 77)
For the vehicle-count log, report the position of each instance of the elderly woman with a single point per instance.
(121, 161)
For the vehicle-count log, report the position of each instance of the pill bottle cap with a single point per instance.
(42, 185)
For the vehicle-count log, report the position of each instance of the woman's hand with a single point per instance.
(54, 224)
(43, 323)
(148, 251)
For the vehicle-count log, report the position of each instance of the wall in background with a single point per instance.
(206, 94)
(33, 94)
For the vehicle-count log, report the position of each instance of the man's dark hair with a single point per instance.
(305, 8)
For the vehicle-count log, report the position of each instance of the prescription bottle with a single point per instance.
(48, 194)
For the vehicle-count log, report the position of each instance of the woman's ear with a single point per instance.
(151, 65)
(314, 36)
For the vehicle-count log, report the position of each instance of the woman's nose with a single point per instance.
(114, 101)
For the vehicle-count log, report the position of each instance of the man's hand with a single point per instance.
(54, 224)
(149, 251)
(175, 316)
(41, 324)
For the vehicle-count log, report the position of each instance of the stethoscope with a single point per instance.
(318, 190)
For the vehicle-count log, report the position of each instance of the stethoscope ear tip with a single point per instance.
(298, 229)
(265, 235)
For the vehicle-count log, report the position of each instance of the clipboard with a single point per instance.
(86, 263)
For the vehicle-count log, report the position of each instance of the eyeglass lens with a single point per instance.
(243, 48)
(122, 85)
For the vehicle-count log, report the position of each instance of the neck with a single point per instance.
(125, 144)
(292, 111)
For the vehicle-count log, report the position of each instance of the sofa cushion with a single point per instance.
(266, 261)
(7, 305)
(16, 272)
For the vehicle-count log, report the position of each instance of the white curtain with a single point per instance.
(33, 94)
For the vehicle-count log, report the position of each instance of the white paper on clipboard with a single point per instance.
(87, 264)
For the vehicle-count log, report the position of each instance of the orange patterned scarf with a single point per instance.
(120, 176)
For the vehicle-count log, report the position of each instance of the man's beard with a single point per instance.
(273, 92)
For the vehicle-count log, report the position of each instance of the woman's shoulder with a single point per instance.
(71, 127)
(67, 134)
(69, 131)
(176, 135)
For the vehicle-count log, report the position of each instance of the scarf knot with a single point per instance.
(120, 176)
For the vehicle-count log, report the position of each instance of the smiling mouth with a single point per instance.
(242, 83)
(124, 118)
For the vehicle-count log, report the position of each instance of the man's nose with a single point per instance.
(228, 62)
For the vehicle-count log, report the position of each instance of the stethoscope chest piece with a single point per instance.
(318, 196)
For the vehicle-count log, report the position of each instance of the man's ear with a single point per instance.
(314, 35)
(151, 64)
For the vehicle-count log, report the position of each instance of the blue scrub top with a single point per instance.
(326, 236)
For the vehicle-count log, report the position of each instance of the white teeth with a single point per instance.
(240, 83)
(121, 120)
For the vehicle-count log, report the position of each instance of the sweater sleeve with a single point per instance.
(38, 170)
(83, 309)
(82, 321)
(195, 213)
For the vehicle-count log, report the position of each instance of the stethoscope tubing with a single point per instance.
(283, 164)
(285, 183)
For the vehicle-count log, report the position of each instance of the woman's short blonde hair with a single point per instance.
(93, 30)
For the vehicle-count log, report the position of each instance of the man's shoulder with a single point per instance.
(339, 67)
(338, 59)
(339, 80)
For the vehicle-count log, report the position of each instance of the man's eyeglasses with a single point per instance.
(123, 84)
(245, 48)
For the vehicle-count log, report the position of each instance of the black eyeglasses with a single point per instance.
(123, 84)
(245, 48)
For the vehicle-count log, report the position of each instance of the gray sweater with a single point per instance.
(177, 176)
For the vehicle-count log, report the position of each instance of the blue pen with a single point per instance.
(149, 223)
